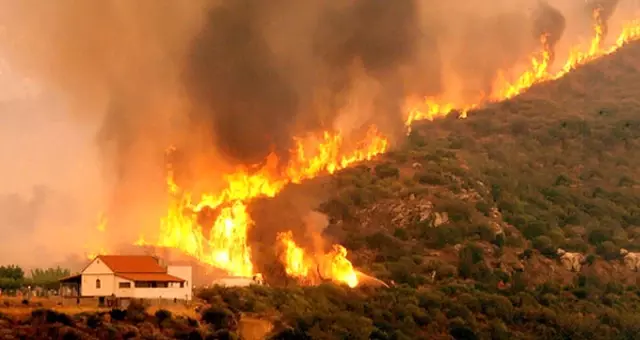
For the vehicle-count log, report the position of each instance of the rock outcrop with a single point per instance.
(631, 260)
(571, 261)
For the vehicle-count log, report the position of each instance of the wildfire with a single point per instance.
(226, 245)
(101, 227)
(333, 265)
(223, 243)
(537, 72)
(337, 267)
(295, 261)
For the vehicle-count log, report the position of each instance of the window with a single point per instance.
(124, 285)
(181, 284)
(97, 283)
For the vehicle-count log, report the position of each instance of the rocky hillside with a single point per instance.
(546, 183)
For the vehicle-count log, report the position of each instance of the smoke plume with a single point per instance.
(601, 12)
(229, 81)
(549, 23)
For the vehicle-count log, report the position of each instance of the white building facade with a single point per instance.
(133, 276)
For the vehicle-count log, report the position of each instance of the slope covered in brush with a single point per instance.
(465, 219)
(553, 168)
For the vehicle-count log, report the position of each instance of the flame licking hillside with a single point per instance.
(226, 246)
(224, 243)
(538, 71)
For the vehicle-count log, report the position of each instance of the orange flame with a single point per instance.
(338, 268)
(226, 246)
(98, 250)
(294, 259)
(333, 265)
(537, 72)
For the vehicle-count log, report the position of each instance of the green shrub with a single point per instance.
(544, 245)
(608, 250)
(219, 318)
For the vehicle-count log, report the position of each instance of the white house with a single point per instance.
(132, 276)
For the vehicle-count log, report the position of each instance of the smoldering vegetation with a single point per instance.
(228, 81)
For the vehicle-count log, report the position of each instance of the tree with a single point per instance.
(11, 272)
(11, 277)
(471, 262)
(7, 283)
(48, 278)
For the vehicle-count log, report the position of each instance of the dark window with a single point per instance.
(97, 283)
(124, 285)
(181, 284)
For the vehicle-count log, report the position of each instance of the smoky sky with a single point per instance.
(21, 212)
(382, 36)
(606, 8)
(550, 22)
(246, 100)
(250, 102)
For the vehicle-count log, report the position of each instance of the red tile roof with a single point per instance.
(132, 264)
(158, 277)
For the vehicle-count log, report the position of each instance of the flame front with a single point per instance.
(223, 244)
(333, 265)
(226, 246)
(295, 261)
(537, 72)
(339, 267)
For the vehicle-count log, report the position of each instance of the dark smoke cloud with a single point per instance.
(382, 36)
(250, 102)
(550, 22)
(605, 9)
(488, 48)
(245, 99)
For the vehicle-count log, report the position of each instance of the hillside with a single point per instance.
(466, 218)
(553, 168)
(464, 221)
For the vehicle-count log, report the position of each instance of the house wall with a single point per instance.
(89, 287)
(124, 292)
(97, 270)
(185, 273)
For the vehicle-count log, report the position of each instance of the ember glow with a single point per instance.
(224, 244)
